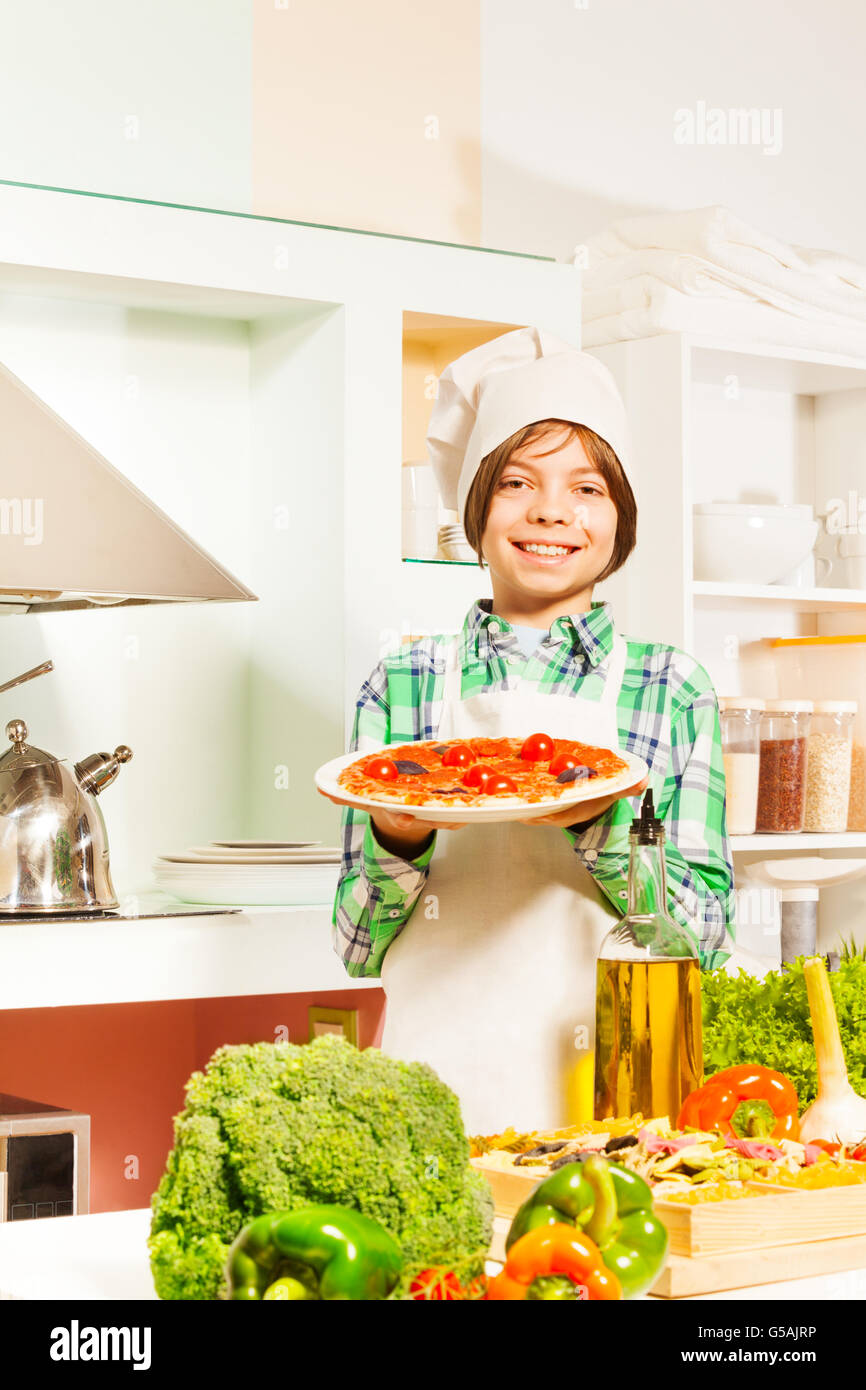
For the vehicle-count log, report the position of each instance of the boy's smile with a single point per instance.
(550, 531)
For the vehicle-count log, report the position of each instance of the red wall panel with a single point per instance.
(125, 1066)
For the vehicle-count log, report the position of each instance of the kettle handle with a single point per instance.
(29, 675)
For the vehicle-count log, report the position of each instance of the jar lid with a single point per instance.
(727, 702)
(835, 706)
(789, 706)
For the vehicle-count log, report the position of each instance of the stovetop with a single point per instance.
(119, 914)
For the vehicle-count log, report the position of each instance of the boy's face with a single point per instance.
(560, 500)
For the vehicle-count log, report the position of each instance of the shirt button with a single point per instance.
(493, 627)
(395, 912)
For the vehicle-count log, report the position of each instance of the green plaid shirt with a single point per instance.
(668, 715)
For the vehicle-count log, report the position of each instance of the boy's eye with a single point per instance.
(512, 482)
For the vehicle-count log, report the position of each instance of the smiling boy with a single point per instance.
(486, 936)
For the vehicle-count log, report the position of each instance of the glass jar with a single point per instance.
(740, 718)
(828, 765)
(832, 667)
(782, 769)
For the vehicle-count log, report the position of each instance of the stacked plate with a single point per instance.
(453, 544)
(251, 873)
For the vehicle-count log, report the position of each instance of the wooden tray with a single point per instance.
(510, 1187)
(781, 1233)
(777, 1216)
(685, 1277)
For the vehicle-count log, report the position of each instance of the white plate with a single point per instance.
(231, 873)
(201, 854)
(501, 808)
(262, 889)
(264, 844)
(250, 861)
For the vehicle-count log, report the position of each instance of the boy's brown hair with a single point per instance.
(600, 455)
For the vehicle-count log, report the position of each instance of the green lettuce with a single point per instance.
(767, 1021)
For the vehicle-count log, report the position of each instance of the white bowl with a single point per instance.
(737, 543)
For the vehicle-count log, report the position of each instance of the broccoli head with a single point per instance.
(273, 1126)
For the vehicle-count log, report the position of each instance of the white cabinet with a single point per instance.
(247, 374)
(720, 421)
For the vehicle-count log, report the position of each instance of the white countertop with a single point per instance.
(104, 1257)
(256, 950)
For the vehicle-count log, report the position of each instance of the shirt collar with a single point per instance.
(591, 632)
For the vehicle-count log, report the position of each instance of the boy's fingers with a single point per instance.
(337, 800)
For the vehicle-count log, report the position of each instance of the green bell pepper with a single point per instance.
(613, 1206)
(326, 1252)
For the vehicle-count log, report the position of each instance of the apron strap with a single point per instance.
(451, 690)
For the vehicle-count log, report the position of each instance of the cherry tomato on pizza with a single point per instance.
(383, 769)
(498, 782)
(476, 776)
(537, 748)
(562, 762)
(458, 755)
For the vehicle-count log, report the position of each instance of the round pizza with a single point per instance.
(474, 771)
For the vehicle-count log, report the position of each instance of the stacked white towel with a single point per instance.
(707, 271)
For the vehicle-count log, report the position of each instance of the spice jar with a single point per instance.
(740, 718)
(828, 766)
(831, 668)
(782, 769)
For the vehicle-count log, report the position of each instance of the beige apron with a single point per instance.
(492, 980)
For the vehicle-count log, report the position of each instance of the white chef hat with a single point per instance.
(495, 390)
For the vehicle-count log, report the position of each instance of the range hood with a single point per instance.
(75, 533)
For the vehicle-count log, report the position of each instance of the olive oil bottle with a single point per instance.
(648, 1046)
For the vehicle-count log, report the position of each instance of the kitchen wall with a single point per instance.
(125, 1066)
(525, 127)
(578, 114)
(351, 115)
(164, 398)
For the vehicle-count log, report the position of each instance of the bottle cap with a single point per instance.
(646, 828)
(789, 707)
(727, 702)
(835, 706)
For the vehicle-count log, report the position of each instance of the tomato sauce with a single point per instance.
(423, 778)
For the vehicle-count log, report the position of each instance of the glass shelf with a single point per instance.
(259, 217)
(407, 560)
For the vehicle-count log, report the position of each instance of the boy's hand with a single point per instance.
(398, 832)
(587, 810)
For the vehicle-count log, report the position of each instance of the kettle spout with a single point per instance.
(100, 769)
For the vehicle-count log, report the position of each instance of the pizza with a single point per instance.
(474, 771)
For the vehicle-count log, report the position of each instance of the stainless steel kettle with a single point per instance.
(53, 841)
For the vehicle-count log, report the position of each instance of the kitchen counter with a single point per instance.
(104, 1257)
(257, 950)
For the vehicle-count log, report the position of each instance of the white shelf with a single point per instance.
(255, 951)
(850, 839)
(801, 600)
(773, 366)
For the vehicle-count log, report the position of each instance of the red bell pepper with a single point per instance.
(748, 1101)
